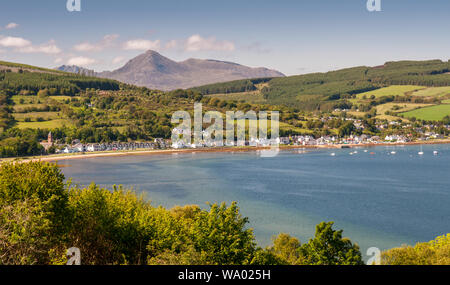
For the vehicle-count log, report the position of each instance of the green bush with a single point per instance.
(435, 252)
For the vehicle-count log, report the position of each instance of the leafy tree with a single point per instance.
(38, 181)
(328, 247)
(220, 235)
(34, 214)
(347, 129)
(287, 248)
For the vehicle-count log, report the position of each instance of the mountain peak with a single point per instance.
(153, 70)
(152, 52)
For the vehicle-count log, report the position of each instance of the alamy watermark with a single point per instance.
(375, 256)
(374, 5)
(236, 134)
(73, 5)
(73, 256)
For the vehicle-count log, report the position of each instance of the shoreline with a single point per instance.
(57, 158)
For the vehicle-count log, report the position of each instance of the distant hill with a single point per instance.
(17, 77)
(324, 91)
(155, 71)
(77, 70)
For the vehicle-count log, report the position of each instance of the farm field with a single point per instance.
(433, 92)
(58, 123)
(400, 107)
(35, 115)
(394, 90)
(63, 98)
(433, 113)
(34, 112)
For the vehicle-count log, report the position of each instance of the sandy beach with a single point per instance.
(55, 158)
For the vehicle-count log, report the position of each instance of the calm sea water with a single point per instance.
(379, 199)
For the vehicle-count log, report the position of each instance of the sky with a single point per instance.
(292, 36)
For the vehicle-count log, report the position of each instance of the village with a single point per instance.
(77, 146)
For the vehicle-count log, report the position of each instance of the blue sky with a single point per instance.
(292, 36)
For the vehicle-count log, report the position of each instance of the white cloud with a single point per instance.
(118, 60)
(25, 46)
(84, 47)
(14, 42)
(81, 61)
(48, 48)
(141, 44)
(106, 42)
(11, 26)
(197, 43)
(171, 44)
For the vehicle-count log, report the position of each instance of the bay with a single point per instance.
(379, 198)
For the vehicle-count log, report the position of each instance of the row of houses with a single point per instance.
(80, 147)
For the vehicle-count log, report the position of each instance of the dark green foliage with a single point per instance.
(328, 247)
(347, 129)
(236, 86)
(62, 84)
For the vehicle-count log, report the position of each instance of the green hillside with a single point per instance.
(327, 91)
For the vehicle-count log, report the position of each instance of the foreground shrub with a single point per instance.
(435, 252)
(41, 217)
(328, 247)
(24, 238)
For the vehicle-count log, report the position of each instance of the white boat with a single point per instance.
(333, 154)
(421, 151)
(393, 152)
(435, 152)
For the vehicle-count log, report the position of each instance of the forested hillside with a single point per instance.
(321, 91)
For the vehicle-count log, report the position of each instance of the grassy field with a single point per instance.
(446, 101)
(50, 119)
(63, 98)
(433, 113)
(394, 90)
(287, 127)
(35, 115)
(58, 123)
(401, 107)
(433, 92)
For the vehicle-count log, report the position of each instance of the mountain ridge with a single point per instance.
(155, 71)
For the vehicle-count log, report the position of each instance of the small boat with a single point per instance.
(393, 152)
(333, 154)
(366, 150)
(435, 152)
(421, 151)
